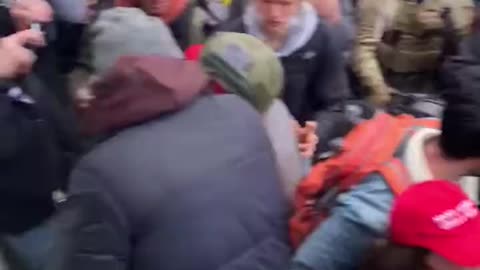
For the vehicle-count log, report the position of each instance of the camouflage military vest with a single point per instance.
(414, 41)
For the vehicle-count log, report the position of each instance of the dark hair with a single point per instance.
(389, 256)
(461, 117)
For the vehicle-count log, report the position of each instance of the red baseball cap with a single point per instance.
(438, 216)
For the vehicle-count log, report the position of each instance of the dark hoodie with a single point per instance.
(140, 89)
(184, 181)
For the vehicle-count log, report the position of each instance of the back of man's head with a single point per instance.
(245, 66)
(461, 118)
(121, 32)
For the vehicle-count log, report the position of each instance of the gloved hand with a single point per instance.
(16, 59)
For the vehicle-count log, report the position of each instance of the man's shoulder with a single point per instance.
(229, 103)
(231, 112)
(323, 29)
(386, 10)
(322, 41)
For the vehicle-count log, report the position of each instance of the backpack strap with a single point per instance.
(394, 171)
(396, 175)
(379, 151)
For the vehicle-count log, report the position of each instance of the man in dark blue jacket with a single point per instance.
(310, 53)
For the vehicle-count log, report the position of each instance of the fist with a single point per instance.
(16, 59)
(26, 12)
(307, 138)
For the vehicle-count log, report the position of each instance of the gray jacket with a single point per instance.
(192, 190)
(279, 124)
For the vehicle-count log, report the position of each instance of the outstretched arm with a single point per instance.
(371, 26)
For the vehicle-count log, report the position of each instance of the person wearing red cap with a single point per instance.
(433, 225)
(360, 215)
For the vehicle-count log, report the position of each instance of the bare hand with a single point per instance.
(307, 138)
(26, 12)
(15, 58)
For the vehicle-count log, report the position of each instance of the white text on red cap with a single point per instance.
(453, 218)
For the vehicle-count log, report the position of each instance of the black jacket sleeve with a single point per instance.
(6, 24)
(13, 130)
(329, 86)
(100, 238)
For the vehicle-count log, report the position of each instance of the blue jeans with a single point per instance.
(358, 219)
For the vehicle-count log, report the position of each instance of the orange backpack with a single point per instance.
(369, 148)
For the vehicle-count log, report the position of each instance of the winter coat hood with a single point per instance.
(138, 89)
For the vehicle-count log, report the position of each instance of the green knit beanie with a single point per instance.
(244, 66)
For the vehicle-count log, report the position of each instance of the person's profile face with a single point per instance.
(276, 14)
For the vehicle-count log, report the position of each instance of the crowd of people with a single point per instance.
(239, 134)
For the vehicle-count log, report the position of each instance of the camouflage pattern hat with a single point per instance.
(244, 66)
